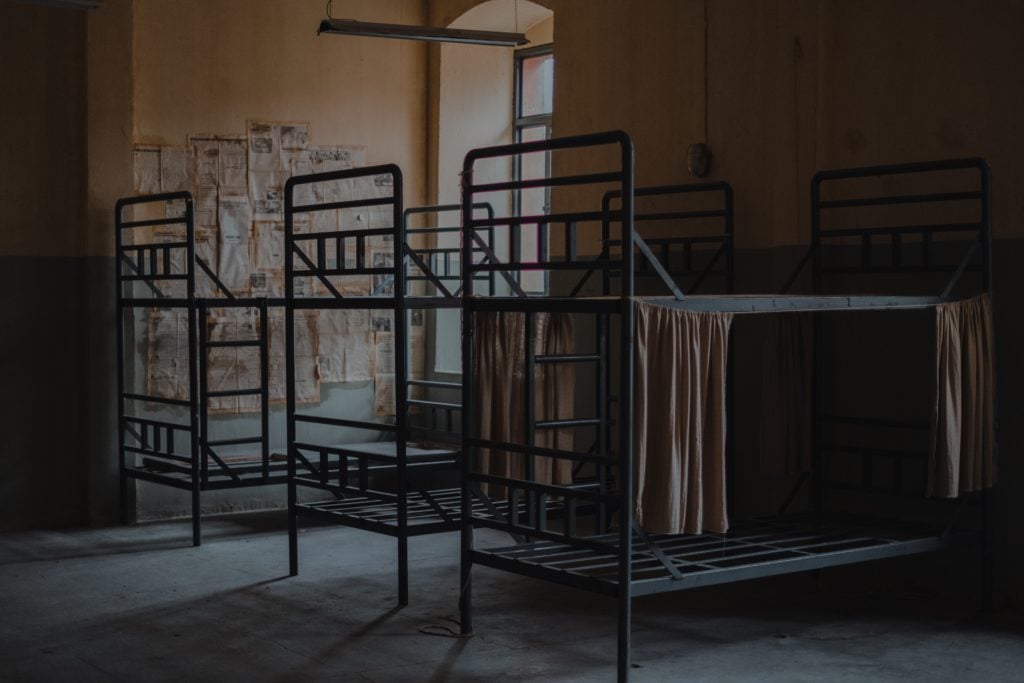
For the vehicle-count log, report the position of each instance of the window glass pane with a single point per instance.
(532, 202)
(538, 85)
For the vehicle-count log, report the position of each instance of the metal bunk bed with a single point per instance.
(167, 440)
(383, 484)
(158, 447)
(592, 558)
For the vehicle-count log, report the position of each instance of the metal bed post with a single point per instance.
(193, 393)
(604, 329)
(401, 352)
(730, 374)
(468, 412)
(534, 518)
(817, 464)
(626, 416)
(264, 349)
(121, 311)
(491, 276)
(204, 400)
(289, 327)
(604, 428)
(987, 559)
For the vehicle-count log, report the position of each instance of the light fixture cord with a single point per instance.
(707, 22)
(515, 14)
(329, 3)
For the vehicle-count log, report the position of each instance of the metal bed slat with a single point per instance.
(332, 206)
(896, 230)
(900, 199)
(555, 181)
(538, 219)
(740, 551)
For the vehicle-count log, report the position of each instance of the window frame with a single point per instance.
(519, 125)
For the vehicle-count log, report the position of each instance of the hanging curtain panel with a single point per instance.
(680, 408)
(499, 340)
(963, 457)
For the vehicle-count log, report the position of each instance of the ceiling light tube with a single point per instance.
(65, 4)
(350, 27)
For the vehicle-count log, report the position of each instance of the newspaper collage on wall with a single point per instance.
(237, 183)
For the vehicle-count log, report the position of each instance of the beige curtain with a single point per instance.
(680, 430)
(786, 410)
(962, 457)
(499, 346)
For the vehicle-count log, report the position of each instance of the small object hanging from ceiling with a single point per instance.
(351, 27)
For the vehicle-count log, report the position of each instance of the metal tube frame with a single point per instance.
(653, 564)
(977, 259)
(979, 232)
(349, 471)
(152, 267)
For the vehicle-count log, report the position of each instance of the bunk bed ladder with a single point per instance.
(207, 346)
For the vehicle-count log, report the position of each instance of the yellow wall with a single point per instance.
(42, 131)
(203, 66)
(474, 107)
(109, 119)
(793, 86)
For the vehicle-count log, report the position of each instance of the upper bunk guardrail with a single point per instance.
(322, 254)
(898, 239)
(620, 175)
(154, 262)
(439, 264)
(661, 249)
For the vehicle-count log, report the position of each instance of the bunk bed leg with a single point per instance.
(126, 512)
(625, 614)
(987, 565)
(293, 520)
(197, 538)
(626, 387)
(403, 570)
(466, 585)
(468, 414)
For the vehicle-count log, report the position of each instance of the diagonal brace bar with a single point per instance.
(658, 267)
(327, 283)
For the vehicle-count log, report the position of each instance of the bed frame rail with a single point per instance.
(676, 253)
(439, 265)
(528, 510)
(907, 247)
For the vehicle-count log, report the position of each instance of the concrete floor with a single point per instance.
(141, 604)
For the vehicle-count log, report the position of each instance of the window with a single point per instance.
(533, 104)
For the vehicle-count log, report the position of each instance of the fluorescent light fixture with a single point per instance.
(65, 4)
(350, 27)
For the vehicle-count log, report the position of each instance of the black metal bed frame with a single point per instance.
(593, 558)
(356, 476)
(164, 461)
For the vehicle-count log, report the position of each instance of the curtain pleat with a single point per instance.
(499, 390)
(680, 419)
(963, 451)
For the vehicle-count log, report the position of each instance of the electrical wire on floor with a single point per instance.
(444, 630)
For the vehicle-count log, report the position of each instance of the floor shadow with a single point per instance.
(444, 670)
